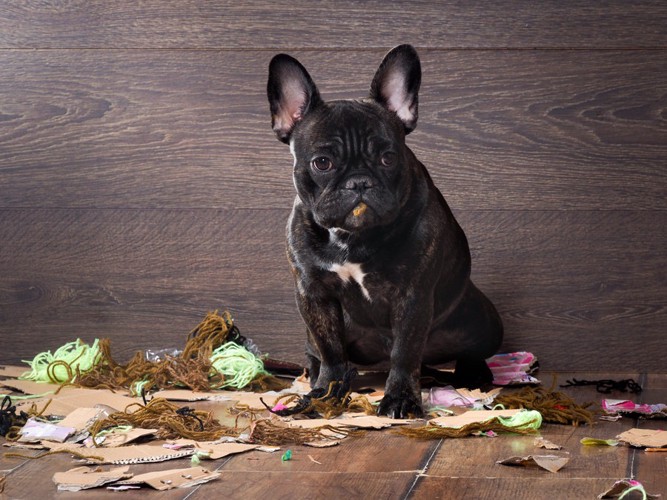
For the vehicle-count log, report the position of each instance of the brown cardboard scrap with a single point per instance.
(362, 422)
(323, 444)
(83, 478)
(552, 463)
(251, 399)
(117, 437)
(213, 450)
(12, 371)
(471, 416)
(29, 386)
(81, 418)
(72, 398)
(644, 438)
(131, 454)
(174, 478)
(540, 442)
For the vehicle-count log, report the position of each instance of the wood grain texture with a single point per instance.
(145, 278)
(534, 130)
(345, 24)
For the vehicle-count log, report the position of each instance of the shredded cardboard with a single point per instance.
(72, 398)
(552, 463)
(644, 438)
(12, 371)
(131, 454)
(470, 417)
(540, 442)
(174, 478)
(83, 478)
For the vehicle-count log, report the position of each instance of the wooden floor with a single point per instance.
(381, 464)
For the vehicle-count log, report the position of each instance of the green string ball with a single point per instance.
(68, 359)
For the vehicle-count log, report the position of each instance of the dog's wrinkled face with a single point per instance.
(350, 165)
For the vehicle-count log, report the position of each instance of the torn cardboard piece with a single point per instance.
(552, 463)
(211, 450)
(72, 398)
(540, 442)
(12, 371)
(29, 386)
(174, 478)
(470, 417)
(251, 399)
(83, 478)
(644, 438)
(82, 418)
(118, 437)
(131, 454)
(154, 451)
(360, 422)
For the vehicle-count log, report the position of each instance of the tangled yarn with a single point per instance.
(523, 422)
(236, 365)
(212, 358)
(62, 366)
(555, 407)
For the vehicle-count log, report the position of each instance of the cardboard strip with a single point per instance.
(132, 454)
(174, 478)
(472, 416)
(83, 478)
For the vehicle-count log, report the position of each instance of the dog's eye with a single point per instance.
(322, 163)
(388, 159)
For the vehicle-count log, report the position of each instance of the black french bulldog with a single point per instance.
(382, 268)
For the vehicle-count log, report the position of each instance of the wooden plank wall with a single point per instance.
(141, 185)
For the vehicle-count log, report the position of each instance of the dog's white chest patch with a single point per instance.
(347, 271)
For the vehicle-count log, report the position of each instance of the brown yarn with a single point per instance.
(270, 433)
(334, 402)
(171, 421)
(437, 432)
(191, 369)
(555, 407)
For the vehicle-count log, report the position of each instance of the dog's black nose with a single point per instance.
(358, 183)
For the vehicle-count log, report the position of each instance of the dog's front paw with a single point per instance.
(400, 406)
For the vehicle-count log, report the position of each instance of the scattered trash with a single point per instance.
(552, 463)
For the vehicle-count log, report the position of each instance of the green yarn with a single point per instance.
(237, 365)
(523, 420)
(61, 367)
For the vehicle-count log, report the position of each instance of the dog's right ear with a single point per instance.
(292, 94)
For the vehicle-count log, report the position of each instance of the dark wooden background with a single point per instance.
(141, 185)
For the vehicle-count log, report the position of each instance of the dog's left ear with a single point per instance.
(396, 84)
(291, 94)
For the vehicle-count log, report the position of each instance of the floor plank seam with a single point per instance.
(422, 472)
(631, 470)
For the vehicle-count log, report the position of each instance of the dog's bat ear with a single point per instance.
(292, 94)
(396, 84)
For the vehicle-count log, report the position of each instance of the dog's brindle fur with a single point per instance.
(382, 268)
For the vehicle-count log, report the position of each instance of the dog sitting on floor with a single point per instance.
(382, 268)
